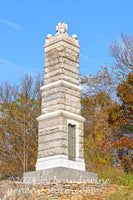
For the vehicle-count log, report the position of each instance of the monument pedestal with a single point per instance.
(58, 174)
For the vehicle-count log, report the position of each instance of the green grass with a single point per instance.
(126, 179)
(116, 176)
(120, 194)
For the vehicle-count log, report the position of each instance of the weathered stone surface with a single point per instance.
(58, 174)
(52, 144)
(51, 152)
(60, 76)
(11, 190)
(52, 136)
(61, 98)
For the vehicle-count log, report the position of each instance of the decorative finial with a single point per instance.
(75, 36)
(61, 28)
(49, 36)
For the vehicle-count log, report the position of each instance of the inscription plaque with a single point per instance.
(71, 142)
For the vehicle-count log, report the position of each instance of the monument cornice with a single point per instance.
(61, 113)
(60, 83)
(62, 37)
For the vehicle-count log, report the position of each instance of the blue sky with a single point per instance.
(24, 25)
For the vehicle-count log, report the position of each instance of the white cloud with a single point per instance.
(9, 71)
(91, 60)
(11, 24)
(7, 64)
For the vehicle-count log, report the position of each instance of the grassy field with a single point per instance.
(118, 177)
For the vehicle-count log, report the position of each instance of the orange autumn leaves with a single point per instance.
(106, 117)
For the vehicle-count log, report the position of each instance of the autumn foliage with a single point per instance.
(108, 110)
(19, 108)
(107, 105)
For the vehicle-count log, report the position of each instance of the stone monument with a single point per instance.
(60, 125)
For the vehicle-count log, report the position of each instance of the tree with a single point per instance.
(96, 100)
(122, 51)
(124, 147)
(97, 130)
(121, 115)
(19, 108)
(104, 113)
(125, 93)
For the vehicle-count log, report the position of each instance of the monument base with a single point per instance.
(58, 174)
